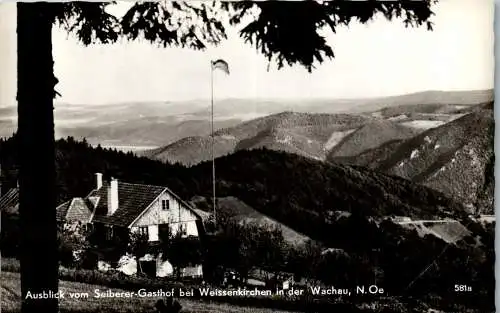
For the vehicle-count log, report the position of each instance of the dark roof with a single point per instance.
(61, 210)
(133, 199)
(9, 202)
(74, 210)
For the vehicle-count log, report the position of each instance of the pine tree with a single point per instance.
(285, 32)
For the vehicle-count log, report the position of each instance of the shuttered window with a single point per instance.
(165, 205)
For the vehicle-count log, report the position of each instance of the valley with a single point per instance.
(445, 146)
(441, 139)
(318, 178)
(159, 124)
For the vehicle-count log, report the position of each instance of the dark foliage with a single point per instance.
(180, 251)
(300, 193)
(138, 247)
(192, 25)
(110, 249)
(304, 194)
(277, 183)
(91, 23)
(292, 32)
(9, 237)
(287, 32)
(243, 247)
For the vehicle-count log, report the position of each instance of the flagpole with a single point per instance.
(213, 139)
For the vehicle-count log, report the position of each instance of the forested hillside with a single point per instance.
(456, 158)
(337, 205)
(304, 194)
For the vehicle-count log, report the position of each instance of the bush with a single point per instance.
(9, 237)
(10, 265)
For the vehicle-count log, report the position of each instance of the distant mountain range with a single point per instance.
(143, 125)
(314, 135)
(447, 147)
(443, 140)
(380, 223)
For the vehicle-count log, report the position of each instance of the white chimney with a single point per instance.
(98, 180)
(112, 196)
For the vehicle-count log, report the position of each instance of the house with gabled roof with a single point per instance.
(113, 207)
(73, 214)
(143, 208)
(154, 211)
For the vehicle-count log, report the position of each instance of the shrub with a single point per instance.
(10, 265)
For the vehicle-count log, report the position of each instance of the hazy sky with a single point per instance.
(377, 59)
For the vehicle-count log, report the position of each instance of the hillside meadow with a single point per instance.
(11, 300)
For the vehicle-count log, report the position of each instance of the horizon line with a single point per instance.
(273, 98)
(283, 98)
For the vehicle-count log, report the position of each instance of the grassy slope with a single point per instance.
(303, 194)
(239, 210)
(450, 232)
(11, 289)
(370, 136)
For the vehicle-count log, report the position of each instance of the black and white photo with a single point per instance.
(249, 156)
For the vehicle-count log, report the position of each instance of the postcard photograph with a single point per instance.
(247, 156)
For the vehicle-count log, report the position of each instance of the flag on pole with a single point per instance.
(221, 65)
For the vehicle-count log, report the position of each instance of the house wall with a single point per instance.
(128, 266)
(176, 216)
(71, 226)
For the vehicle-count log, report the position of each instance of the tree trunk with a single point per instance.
(35, 85)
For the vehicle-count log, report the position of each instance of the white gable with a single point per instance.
(174, 213)
(155, 213)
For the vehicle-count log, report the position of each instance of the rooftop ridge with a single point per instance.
(132, 184)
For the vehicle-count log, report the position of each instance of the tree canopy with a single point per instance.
(285, 32)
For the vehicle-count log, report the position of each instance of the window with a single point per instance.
(143, 231)
(109, 233)
(183, 229)
(165, 205)
(87, 227)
